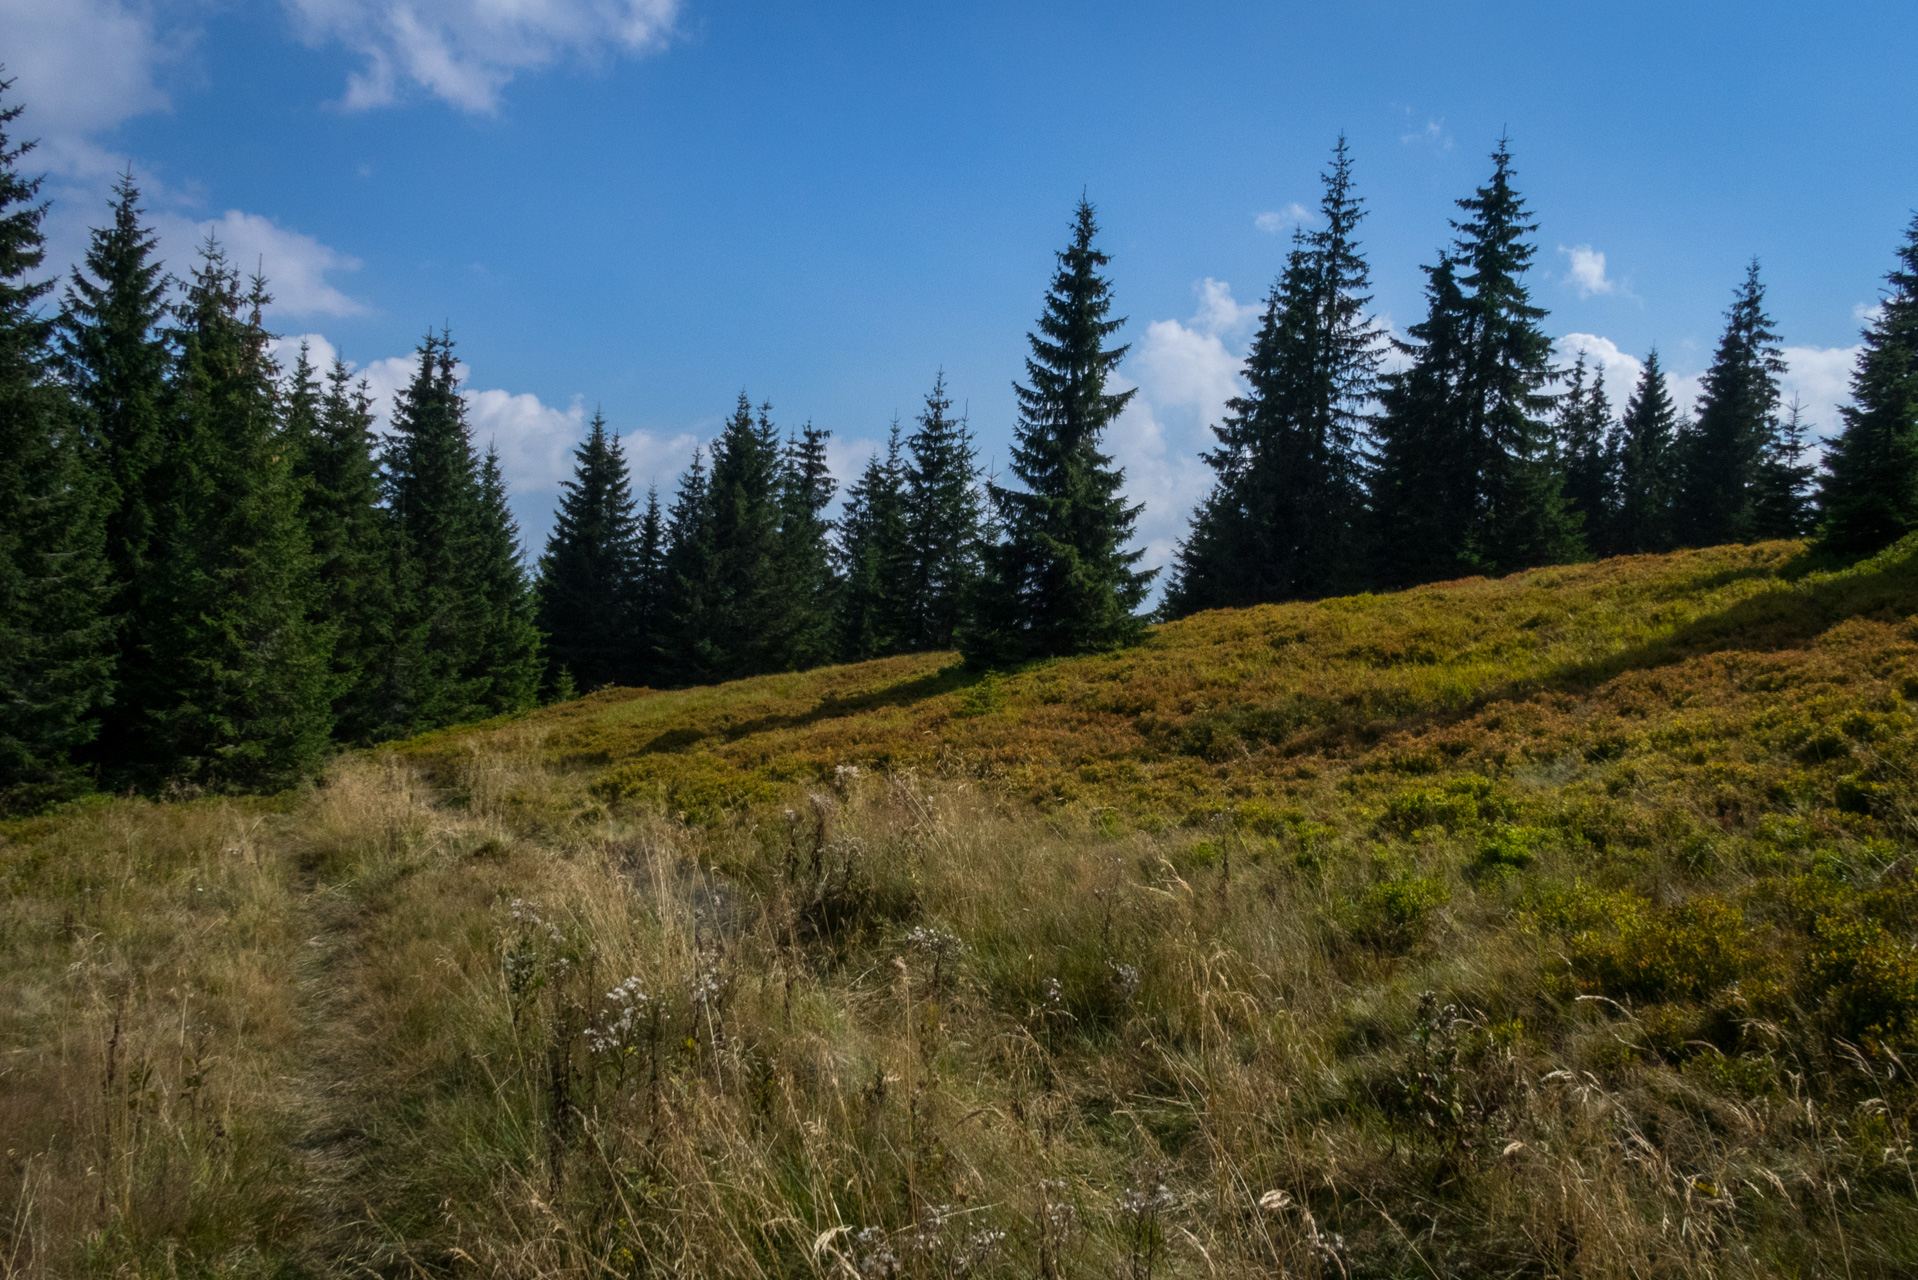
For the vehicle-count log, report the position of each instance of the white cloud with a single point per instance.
(535, 440)
(1433, 134)
(84, 67)
(1278, 220)
(81, 67)
(1587, 271)
(1220, 313)
(466, 51)
(657, 460)
(295, 264)
(1622, 369)
(1821, 378)
(1184, 374)
(319, 352)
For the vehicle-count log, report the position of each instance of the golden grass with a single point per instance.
(1562, 925)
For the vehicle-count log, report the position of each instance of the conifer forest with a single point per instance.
(217, 568)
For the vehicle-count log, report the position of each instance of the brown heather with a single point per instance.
(1555, 926)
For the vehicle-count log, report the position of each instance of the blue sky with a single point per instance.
(650, 205)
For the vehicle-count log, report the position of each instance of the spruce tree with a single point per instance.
(1469, 477)
(1647, 465)
(754, 609)
(507, 661)
(236, 691)
(330, 430)
(589, 576)
(55, 657)
(1869, 494)
(1425, 479)
(806, 490)
(649, 593)
(431, 486)
(1585, 444)
(872, 553)
(941, 523)
(1522, 516)
(1285, 517)
(113, 355)
(1061, 580)
(1782, 504)
(1737, 422)
(690, 588)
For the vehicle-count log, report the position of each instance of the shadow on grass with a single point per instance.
(1797, 610)
(831, 707)
(1809, 601)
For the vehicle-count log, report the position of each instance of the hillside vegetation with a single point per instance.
(1559, 925)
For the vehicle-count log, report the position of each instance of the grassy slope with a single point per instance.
(1234, 711)
(1556, 925)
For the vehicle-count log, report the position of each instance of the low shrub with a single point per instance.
(1395, 914)
(1463, 802)
(695, 788)
(1625, 947)
(1864, 980)
(1508, 849)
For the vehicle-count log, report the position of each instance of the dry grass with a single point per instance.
(1554, 926)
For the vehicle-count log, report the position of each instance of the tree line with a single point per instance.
(1479, 455)
(744, 574)
(214, 569)
(211, 568)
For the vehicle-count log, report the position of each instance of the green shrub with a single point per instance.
(1859, 794)
(1509, 849)
(1865, 980)
(696, 788)
(1395, 914)
(1623, 946)
(1263, 819)
(1462, 802)
(984, 696)
(1197, 855)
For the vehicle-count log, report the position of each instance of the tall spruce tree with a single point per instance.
(1647, 465)
(236, 690)
(1425, 478)
(1586, 444)
(1061, 580)
(1726, 447)
(1522, 517)
(431, 485)
(690, 589)
(941, 513)
(649, 592)
(1782, 504)
(753, 611)
(1285, 517)
(507, 661)
(1869, 494)
(113, 355)
(805, 536)
(1466, 455)
(55, 658)
(589, 576)
(873, 554)
(330, 430)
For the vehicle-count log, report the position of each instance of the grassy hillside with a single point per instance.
(1559, 925)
